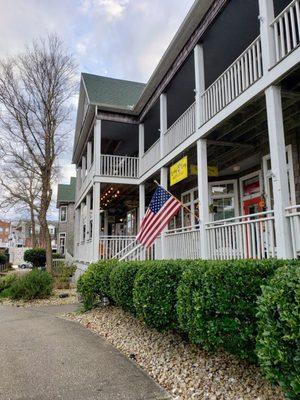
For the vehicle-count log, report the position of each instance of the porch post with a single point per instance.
(81, 248)
(83, 171)
(97, 146)
(279, 171)
(199, 82)
(203, 195)
(164, 183)
(266, 17)
(141, 140)
(141, 202)
(88, 216)
(163, 122)
(78, 181)
(89, 156)
(96, 220)
(76, 232)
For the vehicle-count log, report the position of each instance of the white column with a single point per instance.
(81, 248)
(97, 146)
(200, 83)
(164, 183)
(78, 181)
(203, 195)
(83, 166)
(141, 202)
(89, 155)
(88, 216)
(141, 140)
(279, 171)
(266, 17)
(76, 233)
(163, 122)
(96, 220)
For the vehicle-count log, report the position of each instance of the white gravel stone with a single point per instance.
(185, 370)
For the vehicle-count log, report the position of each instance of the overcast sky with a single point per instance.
(117, 38)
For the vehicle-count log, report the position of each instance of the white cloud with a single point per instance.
(113, 9)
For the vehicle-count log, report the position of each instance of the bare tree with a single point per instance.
(35, 92)
(21, 190)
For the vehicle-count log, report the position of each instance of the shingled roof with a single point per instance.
(66, 192)
(104, 91)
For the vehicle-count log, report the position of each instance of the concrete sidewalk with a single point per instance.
(43, 357)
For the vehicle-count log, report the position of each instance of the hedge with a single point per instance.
(94, 284)
(121, 284)
(35, 284)
(36, 256)
(217, 303)
(278, 341)
(154, 293)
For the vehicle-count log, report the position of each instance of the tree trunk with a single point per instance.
(33, 234)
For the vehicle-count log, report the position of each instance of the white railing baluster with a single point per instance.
(121, 166)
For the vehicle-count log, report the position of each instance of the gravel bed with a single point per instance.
(185, 370)
(52, 300)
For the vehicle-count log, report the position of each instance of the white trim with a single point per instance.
(66, 208)
(235, 194)
(64, 236)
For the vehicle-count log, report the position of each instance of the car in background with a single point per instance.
(25, 265)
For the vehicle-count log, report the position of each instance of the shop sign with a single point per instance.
(212, 170)
(179, 171)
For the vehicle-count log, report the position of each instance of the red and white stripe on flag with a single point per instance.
(162, 208)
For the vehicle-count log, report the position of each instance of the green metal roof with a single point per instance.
(106, 91)
(66, 193)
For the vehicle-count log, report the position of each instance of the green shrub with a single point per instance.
(278, 341)
(95, 282)
(154, 293)
(56, 256)
(62, 272)
(36, 256)
(3, 258)
(35, 284)
(217, 303)
(121, 284)
(5, 284)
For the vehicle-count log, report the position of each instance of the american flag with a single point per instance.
(162, 208)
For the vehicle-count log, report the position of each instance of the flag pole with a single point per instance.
(183, 206)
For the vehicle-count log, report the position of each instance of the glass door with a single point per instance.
(223, 198)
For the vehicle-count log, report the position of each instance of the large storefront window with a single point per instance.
(223, 199)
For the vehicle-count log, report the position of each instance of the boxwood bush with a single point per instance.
(36, 256)
(217, 303)
(35, 284)
(121, 284)
(94, 284)
(278, 341)
(154, 293)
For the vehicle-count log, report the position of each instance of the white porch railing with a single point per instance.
(293, 215)
(111, 246)
(286, 28)
(182, 243)
(247, 236)
(121, 166)
(139, 253)
(150, 157)
(242, 73)
(181, 129)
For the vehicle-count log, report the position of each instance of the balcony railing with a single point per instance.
(182, 243)
(120, 166)
(150, 157)
(184, 127)
(248, 236)
(293, 215)
(111, 246)
(286, 27)
(245, 71)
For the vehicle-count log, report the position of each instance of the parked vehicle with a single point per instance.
(26, 265)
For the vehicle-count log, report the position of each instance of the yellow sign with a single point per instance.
(212, 170)
(179, 171)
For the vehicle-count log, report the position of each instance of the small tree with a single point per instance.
(36, 256)
(35, 92)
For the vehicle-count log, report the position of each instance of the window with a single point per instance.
(63, 214)
(62, 243)
(223, 199)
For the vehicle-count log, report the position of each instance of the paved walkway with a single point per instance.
(43, 357)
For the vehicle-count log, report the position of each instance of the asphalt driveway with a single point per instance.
(43, 357)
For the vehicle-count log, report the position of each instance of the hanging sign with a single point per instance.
(212, 170)
(179, 171)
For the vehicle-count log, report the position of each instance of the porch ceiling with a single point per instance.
(245, 135)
